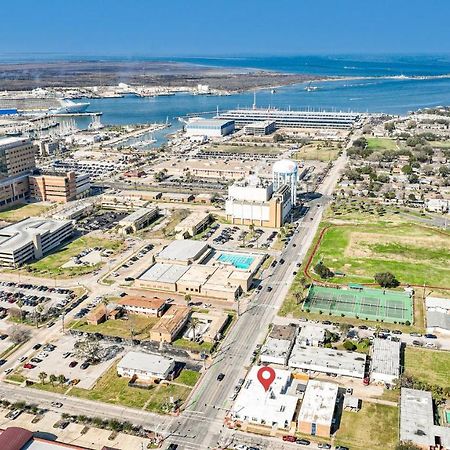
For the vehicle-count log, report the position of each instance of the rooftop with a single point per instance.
(138, 214)
(283, 332)
(171, 319)
(198, 121)
(13, 141)
(192, 220)
(164, 273)
(386, 357)
(183, 250)
(142, 302)
(318, 403)
(150, 362)
(311, 333)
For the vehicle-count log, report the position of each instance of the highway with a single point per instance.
(201, 425)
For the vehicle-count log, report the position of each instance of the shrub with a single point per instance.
(349, 345)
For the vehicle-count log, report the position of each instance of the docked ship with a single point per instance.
(70, 107)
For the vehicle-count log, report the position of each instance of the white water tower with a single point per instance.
(284, 172)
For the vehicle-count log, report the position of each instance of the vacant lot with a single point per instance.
(51, 264)
(319, 151)
(429, 366)
(137, 325)
(414, 254)
(380, 144)
(111, 388)
(374, 427)
(22, 211)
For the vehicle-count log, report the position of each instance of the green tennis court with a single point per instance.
(363, 303)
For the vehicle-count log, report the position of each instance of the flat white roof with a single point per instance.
(436, 302)
(386, 357)
(138, 214)
(12, 141)
(16, 236)
(318, 403)
(183, 250)
(311, 332)
(164, 273)
(253, 404)
(146, 362)
(278, 348)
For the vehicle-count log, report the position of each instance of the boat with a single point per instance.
(70, 107)
(95, 124)
(310, 88)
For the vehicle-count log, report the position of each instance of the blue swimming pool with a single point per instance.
(238, 261)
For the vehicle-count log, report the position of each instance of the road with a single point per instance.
(200, 426)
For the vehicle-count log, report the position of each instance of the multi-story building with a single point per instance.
(31, 239)
(59, 187)
(17, 156)
(209, 127)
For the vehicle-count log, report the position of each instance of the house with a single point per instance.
(142, 305)
(145, 366)
(97, 315)
(170, 324)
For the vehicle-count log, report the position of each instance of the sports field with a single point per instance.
(367, 304)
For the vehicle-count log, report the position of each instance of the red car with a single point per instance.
(288, 438)
(29, 366)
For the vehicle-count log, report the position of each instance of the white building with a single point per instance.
(278, 345)
(209, 127)
(438, 205)
(146, 366)
(438, 314)
(311, 335)
(274, 408)
(317, 410)
(327, 360)
(260, 128)
(31, 239)
(385, 366)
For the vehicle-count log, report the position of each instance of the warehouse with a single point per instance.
(385, 366)
(145, 366)
(184, 252)
(31, 239)
(209, 127)
(317, 410)
(260, 128)
(327, 360)
(438, 314)
(273, 408)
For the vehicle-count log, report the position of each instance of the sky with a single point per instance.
(224, 28)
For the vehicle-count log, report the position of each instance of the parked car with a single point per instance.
(29, 366)
(323, 445)
(57, 404)
(73, 364)
(288, 438)
(220, 377)
(430, 336)
(303, 441)
(85, 365)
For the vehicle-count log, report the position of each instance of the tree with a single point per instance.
(386, 279)
(194, 323)
(344, 328)
(42, 376)
(61, 379)
(18, 334)
(323, 271)
(407, 445)
(278, 137)
(187, 299)
(52, 378)
(349, 345)
(19, 304)
(389, 126)
(88, 348)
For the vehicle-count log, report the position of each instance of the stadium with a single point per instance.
(363, 303)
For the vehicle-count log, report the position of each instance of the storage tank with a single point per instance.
(284, 172)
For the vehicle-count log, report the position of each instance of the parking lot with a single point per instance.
(103, 220)
(60, 360)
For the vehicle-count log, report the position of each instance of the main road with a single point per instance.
(201, 425)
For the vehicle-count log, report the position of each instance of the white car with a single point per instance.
(8, 371)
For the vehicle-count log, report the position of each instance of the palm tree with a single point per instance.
(37, 314)
(194, 323)
(19, 304)
(42, 377)
(61, 379)
(53, 379)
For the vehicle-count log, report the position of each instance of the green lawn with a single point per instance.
(22, 211)
(317, 151)
(440, 144)
(111, 388)
(141, 325)
(189, 345)
(374, 427)
(414, 254)
(51, 264)
(430, 366)
(381, 143)
(188, 377)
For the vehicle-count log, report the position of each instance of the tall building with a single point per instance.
(285, 173)
(253, 202)
(16, 156)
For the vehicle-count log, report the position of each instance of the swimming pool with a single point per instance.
(238, 261)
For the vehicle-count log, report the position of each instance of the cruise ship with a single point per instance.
(70, 107)
(292, 119)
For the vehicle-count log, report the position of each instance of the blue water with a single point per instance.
(380, 93)
(238, 261)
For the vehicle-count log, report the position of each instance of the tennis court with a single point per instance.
(362, 303)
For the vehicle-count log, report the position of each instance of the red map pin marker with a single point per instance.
(266, 375)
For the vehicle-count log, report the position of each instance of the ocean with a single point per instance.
(387, 84)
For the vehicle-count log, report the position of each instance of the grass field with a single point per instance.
(440, 144)
(414, 254)
(22, 211)
(189, 345)
(374, 427)
(380, 144)
(111, 388)
(318, 151)
(122, 328)
(51, 264)
(430, 366)
(188, 377)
